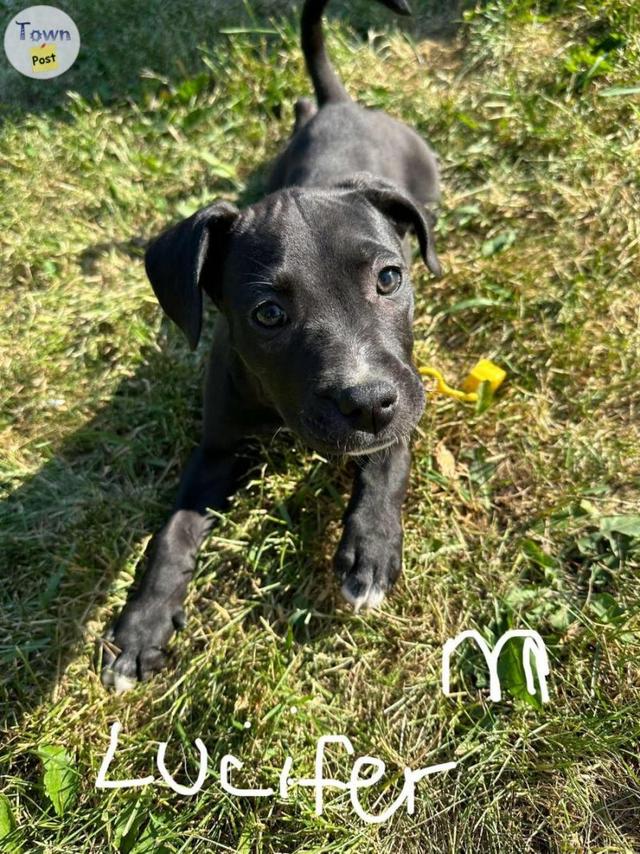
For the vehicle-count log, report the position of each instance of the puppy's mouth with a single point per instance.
(355, 443)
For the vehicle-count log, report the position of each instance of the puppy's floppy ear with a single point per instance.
(180, 257)
(403, 210)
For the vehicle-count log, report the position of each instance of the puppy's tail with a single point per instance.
(326, 82)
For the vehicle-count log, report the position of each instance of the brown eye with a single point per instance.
(389, 280)
(270, 314)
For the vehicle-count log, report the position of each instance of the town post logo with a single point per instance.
(41, 42)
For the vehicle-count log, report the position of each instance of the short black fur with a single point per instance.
(314, 333)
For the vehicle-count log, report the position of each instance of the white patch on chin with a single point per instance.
(370, 599)
(372, 449)
(118, 681)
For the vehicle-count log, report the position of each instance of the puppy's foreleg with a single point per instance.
(151, 615)
(369, 557)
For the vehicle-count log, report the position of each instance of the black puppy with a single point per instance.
(314, 332)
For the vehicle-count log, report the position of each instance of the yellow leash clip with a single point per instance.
(484, 372)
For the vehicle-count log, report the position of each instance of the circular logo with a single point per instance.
(41, 42)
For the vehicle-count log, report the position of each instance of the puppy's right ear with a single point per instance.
(185, 255)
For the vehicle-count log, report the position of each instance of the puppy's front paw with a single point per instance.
(368, 561)
(135, 646)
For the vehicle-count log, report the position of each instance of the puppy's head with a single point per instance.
(315, 287)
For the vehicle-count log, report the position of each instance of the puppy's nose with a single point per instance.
(369, 407)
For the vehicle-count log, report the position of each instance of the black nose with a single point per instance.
(368, 407)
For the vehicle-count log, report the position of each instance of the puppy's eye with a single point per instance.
(270, 314)
(389, 280)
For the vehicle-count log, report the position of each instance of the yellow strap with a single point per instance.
(443, 388)
(484, 372)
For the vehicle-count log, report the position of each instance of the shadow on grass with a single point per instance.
(122, 42)
(294, 590)
(70, 529)
(620, 810)
(85, 517)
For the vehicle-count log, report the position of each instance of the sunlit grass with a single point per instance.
(539, 234)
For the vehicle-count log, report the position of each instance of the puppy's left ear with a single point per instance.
(185, 257)
(404, 211)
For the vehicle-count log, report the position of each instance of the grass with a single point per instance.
(525, 515)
